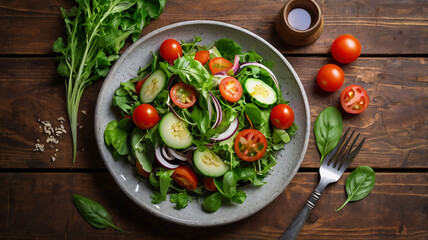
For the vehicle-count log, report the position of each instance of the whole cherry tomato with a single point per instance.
(282, 116)
(145, 116)
(330, 77)
(346, 49)
(170, 50)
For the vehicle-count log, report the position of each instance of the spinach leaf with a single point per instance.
(94, 213)
(239, 197)
(359, 184)
(253, 113)
(328, 130)
(180, 199)
(201, 118)
(116, 135)
(228, 48)
(229, 184)
(212, 202)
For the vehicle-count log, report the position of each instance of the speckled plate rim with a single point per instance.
(106, 154)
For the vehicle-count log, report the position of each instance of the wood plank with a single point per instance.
(39, 205)
(31, 90)
(383, 27)
(394, 124)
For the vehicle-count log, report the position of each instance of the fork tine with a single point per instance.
(333, 152)
(339, 155)
(348, 150)
(351, 156)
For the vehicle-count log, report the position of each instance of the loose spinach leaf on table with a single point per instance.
(94, 213)
(328, 130)
(359, 184)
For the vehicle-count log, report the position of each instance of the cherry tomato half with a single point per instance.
(202, 56)
(185, 177)
(170, 50)
(282, 116)
(354, 99)
(145, 116)
(250, 145)
(346, 49)
(140, 169)
(209, 184)
(230, 89)
(219, 64)
(183, 95)
(330, 77)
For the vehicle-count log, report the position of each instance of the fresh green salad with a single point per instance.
(201, 121)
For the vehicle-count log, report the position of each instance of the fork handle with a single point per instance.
(294, 229)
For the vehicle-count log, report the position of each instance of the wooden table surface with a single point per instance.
(35, 192)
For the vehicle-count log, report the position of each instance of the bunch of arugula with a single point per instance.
(119, 134)
(96, 31)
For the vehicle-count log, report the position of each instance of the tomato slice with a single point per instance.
(183, 95)
(230, 89)
(185, 177)
(209, 184)
(250, 145)
(202, 56)
(219, 64)
(354, 99)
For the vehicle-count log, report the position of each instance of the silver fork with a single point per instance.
(331, 170)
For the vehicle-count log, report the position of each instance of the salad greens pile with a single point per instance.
(96, 31)
(126, 141)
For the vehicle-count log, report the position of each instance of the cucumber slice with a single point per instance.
(209, 164)
(174, 132)
(261, 93)
(153, 85)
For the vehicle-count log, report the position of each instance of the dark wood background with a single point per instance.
(35, 193)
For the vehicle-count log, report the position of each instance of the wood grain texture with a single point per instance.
(30, 210)
(383, 27)
(395, 124)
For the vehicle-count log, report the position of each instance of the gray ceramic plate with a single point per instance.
(288, 160)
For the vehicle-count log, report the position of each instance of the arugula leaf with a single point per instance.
(126, 98)
(180, 199)
(94, 213)
(95, 32)
(164, 181)
(191, 72)
(143, 153)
